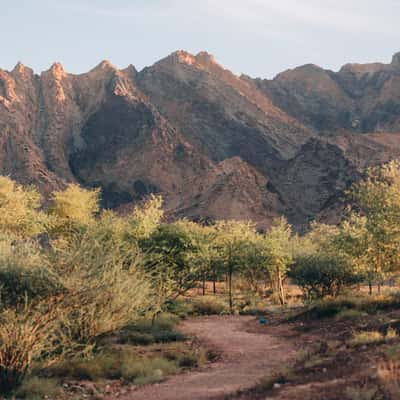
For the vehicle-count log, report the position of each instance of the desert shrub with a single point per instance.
(330, 307)
(166, 321)
(38, 388)
(362, 338)
(349, 314)
(209, 305)
(73, 208)
(134, 338)
(251, 304)
(20, 213)
(118, 364)
(26, 335)
(107, 288)
(181, 308)
(150, 370)
(321, 275)
(144, 331)
(189, 357)
(168, 336)
(24, 273)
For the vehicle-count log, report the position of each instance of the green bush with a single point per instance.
(209, 305)
(168, 336)
(136, 338)
(145, 332)
(181, 308)
(349, 314)
(362, 338)
(118, 364)
(321, 275)
(24, 274)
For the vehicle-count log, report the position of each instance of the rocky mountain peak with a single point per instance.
(396, 60)
(215, 145)
(205, 58)
(57, 70)
(21, 69)
(105, 65)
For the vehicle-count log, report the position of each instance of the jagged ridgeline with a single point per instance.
(213, 144)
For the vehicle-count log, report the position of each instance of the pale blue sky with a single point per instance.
(256, 37)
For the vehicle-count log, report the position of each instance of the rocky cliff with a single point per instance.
(215, 145)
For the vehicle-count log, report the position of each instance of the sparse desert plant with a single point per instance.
(24, 273)
(107, 288)
(144, 331)
(357, 393)
(209, 305)
(117, 364)
(26, 335)
(365, 338)
(38, 388)
(349, 314)
(20, 213)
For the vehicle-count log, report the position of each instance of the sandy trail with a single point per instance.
(247, 354)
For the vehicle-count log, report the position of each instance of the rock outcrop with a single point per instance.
(215, 145)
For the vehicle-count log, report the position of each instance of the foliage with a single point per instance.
(73, 208)
(279, 259)
(26, 335)
(232, 240)
(20, 213)
(146, 218)
(107, 288)
(118, 364)
(168, 262)
(372, 231)
(24, 273)
(321, 275)
(209, 305)
(38, 388)
(145, 332)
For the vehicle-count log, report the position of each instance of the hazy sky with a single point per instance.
(256, 37)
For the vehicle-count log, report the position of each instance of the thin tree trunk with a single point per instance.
(230, 290)
(214, 285)
(280, 287)
(379, 288)
(370, 288)
(204, 284)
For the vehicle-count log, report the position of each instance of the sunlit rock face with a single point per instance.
(214, 144)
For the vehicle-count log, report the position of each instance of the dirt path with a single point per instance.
(248, 353)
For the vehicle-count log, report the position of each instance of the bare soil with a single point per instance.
(247, 351)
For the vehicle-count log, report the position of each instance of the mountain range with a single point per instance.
(215, 145)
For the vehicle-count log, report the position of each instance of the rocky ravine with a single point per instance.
(215, 145)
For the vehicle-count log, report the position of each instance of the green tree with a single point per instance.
(168, 260)
(204, 249)
(375, 226)
(323, 274)
(278, 254)
(232, 241)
